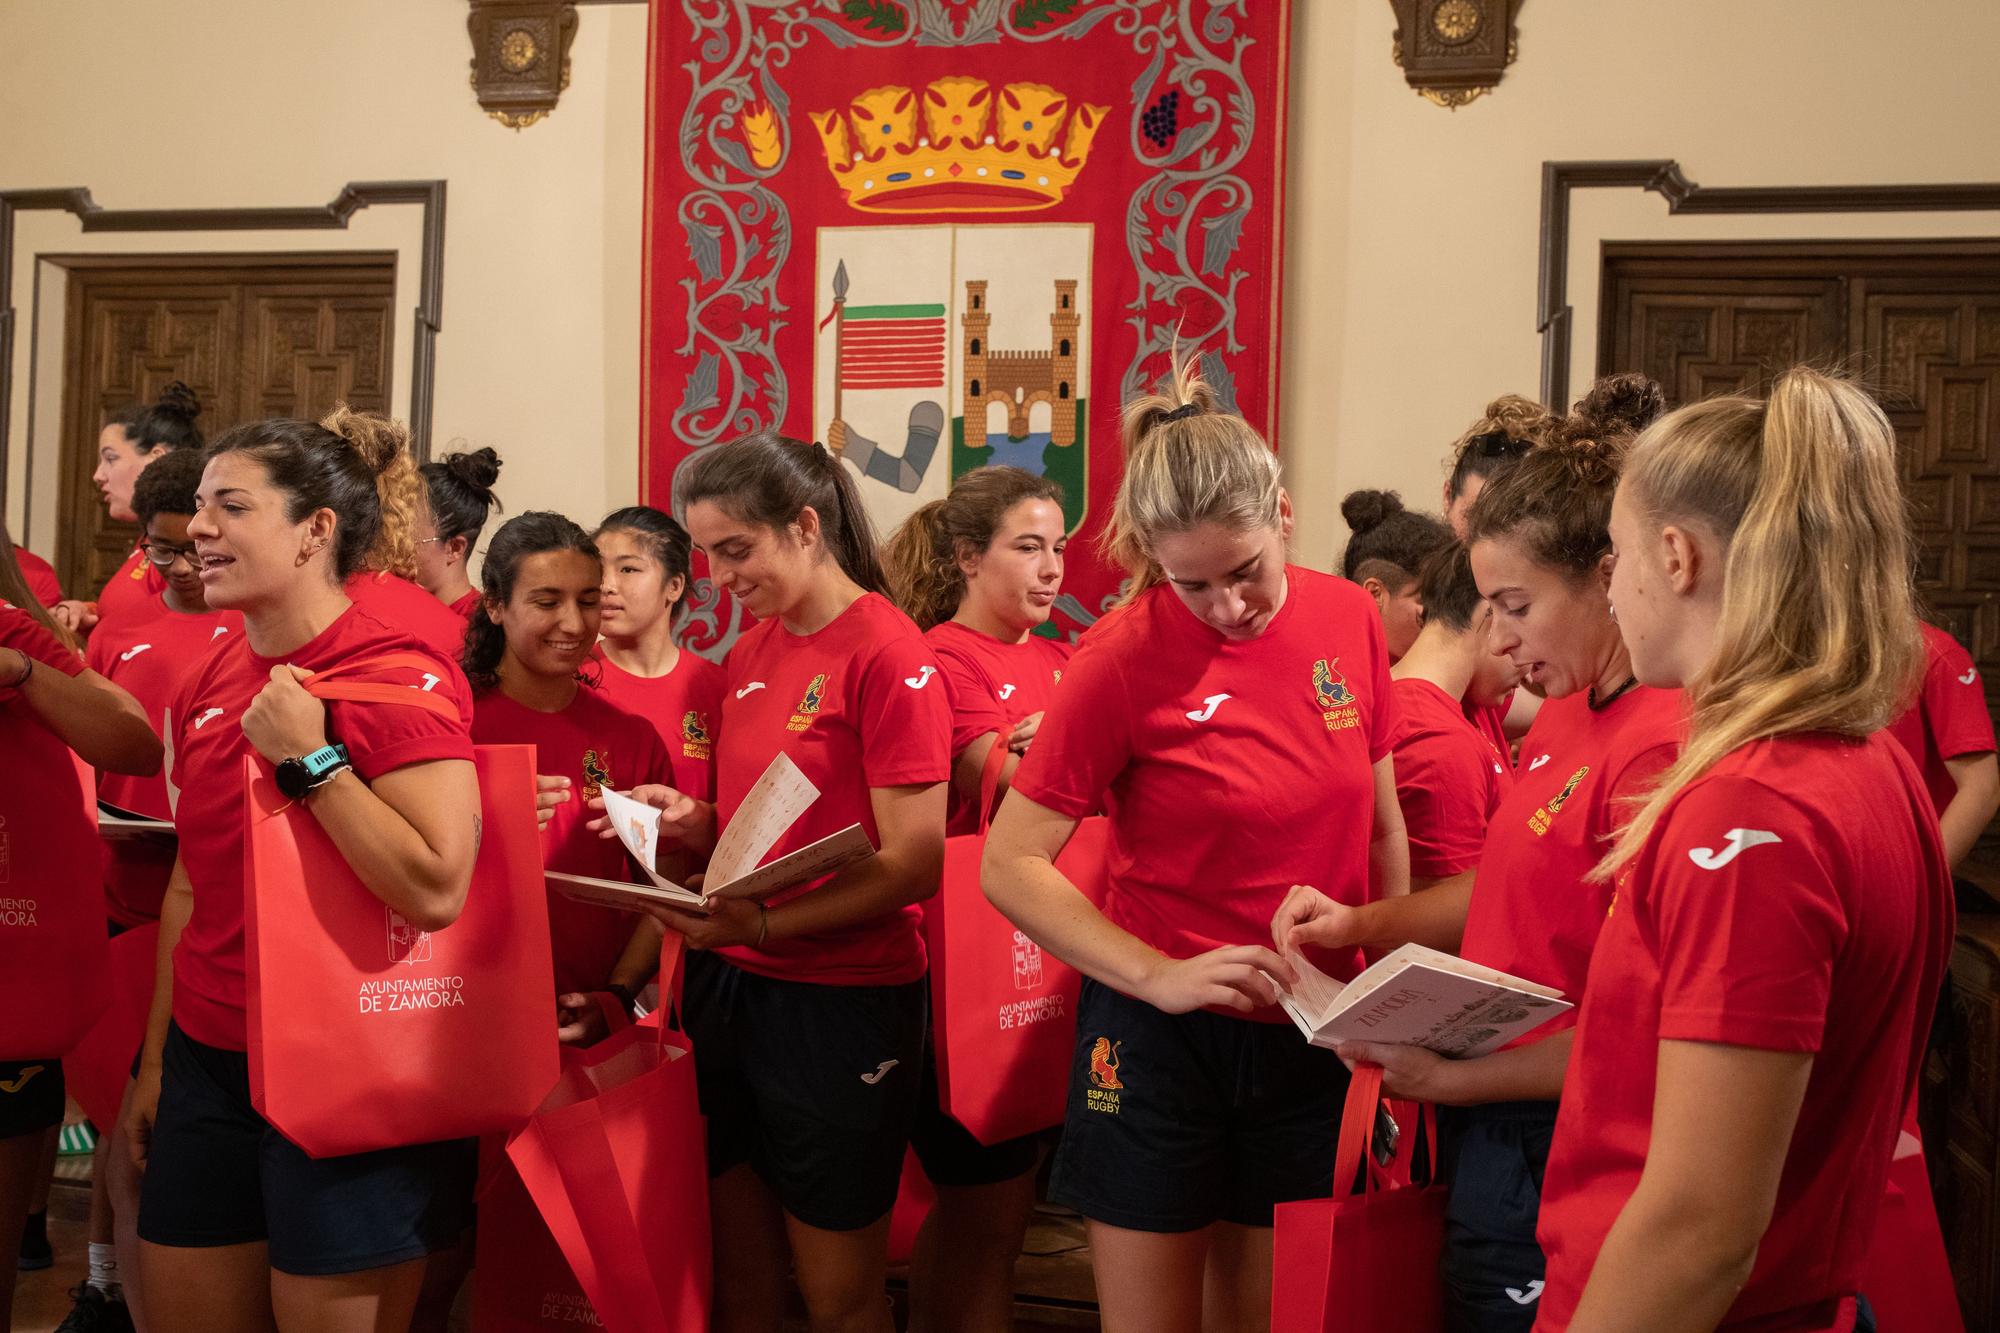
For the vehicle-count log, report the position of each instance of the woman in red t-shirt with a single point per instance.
(1449, 775)
(808, 1009)
(238, 1227)
(1386, 547)
(979, 572)
(134, 438)
(641, 668)
(526, 655)
(1783, 909)
(1948, 732)
(1234, 719)
(1541, 553)
(49, 703)
(458, 496)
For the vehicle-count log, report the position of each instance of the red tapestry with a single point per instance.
(941, 234)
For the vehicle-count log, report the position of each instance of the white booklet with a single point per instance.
(1420, 997)
(772, 806)
(113, 822)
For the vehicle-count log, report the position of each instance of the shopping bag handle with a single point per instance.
(1357, 1129)
(321, 685)
(989, 778)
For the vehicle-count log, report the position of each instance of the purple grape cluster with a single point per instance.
(1161, 121)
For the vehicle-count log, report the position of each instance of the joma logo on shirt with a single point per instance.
(1539, 821)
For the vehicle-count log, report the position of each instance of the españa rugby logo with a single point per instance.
(1336, 701)
(696, 743)
(809, 704)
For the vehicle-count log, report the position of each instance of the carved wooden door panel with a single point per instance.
(253, 335)
(1919, 321)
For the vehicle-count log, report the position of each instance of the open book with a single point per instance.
(1420, 997)
(773, 805)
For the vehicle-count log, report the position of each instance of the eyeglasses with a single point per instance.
(163, 554)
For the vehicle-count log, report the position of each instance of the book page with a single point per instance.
(638, 827)
(809, 862)
(773, 806)
(1316, 995)
(624, 897)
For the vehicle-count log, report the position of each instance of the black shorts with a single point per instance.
(951, 1156)
(31, 1096)
(1179, 1120)
(814, 1086)
(218, 1174)
(1492, 1265)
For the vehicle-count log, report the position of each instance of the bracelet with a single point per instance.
(763, 925)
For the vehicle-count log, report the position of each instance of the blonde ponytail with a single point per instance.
(1819, 622)
(1187, 462)
(384, 445)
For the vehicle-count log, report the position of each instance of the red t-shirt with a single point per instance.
(206, 747)
(1230, 769)
(1492, 724)
(1793, 898)
(42, 792)
(40, 576)
(857, 706)
(1533, 912)
(993, 686)
(133, 593)
(685, 708)
(466, 605)
(1949, 719)
(148, 659)
(593, 743)
(397, 601)
(1449, 780)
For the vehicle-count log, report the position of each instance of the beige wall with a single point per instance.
(1410, 282)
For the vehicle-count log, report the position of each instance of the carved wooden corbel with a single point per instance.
(520, 56)
(1452, 51)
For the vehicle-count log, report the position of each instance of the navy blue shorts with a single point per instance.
(31, 1096)
(218, 1174)
(1493, 1266)
(814, 1086)
(952, 1157)
(1176, 1121)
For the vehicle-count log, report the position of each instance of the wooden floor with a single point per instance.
(1053, 1277)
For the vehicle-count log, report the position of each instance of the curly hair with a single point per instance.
(399, 487)
(922, 558)
(534, 533)
(1389, 542)
(1510, 426)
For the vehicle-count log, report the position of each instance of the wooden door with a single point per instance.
(252, 335)
(1918, 321)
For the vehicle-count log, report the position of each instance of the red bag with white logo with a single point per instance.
(366, 1032)
(616, 1162)
(101, 1065)
(53, 962)
(1003, 1013)
(1366, 1260)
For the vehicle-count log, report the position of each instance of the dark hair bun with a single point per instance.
(1619, 405)
(178, 398)
(1368, 510)
(479, 469)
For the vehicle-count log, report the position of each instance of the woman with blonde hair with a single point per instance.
(1237, 714)
(386, 584)
(1783, 905)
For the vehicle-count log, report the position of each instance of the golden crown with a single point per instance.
(972, 153)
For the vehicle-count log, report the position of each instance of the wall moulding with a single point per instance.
(1663, 176)
(428, 316)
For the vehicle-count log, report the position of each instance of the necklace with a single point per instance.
(1598, 705)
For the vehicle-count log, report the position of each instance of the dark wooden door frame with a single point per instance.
(334, 216)
(1663, 176)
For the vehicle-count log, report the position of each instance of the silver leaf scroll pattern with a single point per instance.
(739, 231)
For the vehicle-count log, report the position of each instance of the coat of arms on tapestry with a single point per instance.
(943, 234)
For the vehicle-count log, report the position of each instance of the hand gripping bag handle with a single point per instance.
(321, 686)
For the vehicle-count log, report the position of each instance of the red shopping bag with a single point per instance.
(1908, 1276)
(53, 964)
(521, 1282)
(1003, 1013)
(366, 1032)
(616, 1162)
(101, 1065)
(1366, 1260)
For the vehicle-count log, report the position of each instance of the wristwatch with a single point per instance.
(298, 776)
